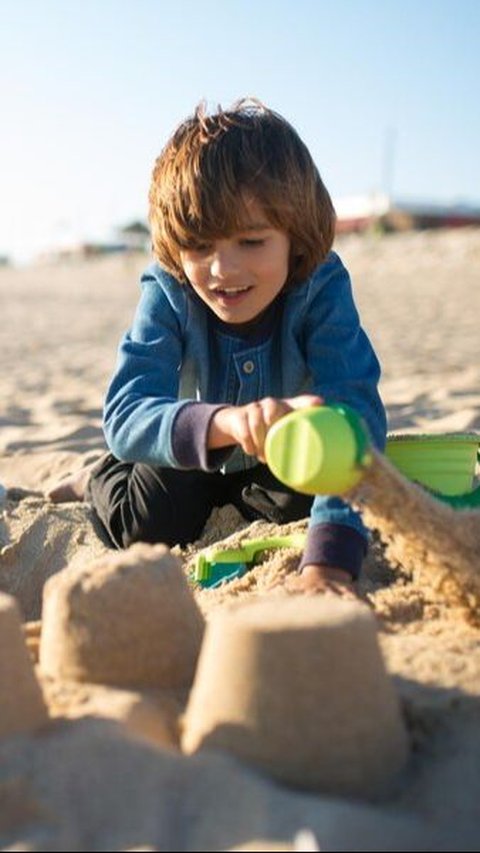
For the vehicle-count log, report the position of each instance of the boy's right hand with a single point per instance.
(248, 425)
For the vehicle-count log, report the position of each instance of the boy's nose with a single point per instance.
(223, 263)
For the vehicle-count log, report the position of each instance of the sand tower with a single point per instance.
(127, 619)
(298, 688)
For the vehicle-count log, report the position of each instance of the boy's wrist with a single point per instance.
(219, 431)
(315, 578)
(335, 545)
(329, 573)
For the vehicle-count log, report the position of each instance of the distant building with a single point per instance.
(126, 240)
(378, 211)
(81, 252)
(136, 236)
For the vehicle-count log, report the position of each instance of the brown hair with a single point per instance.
(212, 161)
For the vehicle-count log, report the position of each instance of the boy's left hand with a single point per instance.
(316, 579)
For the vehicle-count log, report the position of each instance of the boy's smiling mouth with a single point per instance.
(229, 290)
(230, 294)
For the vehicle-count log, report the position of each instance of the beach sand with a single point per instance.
(106, 771)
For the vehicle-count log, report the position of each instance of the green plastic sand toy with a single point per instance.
(217, 565)
(322, 450)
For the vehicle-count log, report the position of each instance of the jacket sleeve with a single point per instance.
(142, 399)
(344, 369)
(340, 357)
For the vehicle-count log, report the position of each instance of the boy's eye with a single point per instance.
(199, 248)
(252, 241)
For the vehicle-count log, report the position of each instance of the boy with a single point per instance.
(246, 316)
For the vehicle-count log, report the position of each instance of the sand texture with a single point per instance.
(140, 712)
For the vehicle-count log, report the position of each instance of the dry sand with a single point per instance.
(107, 772)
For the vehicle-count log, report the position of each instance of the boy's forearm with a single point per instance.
(190, 438)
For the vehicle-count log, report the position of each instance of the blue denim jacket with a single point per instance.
(171, 357)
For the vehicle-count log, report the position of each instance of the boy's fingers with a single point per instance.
(259, 417)
(251, 429)
(303, 401)
(258, 429)
(255, 419)
(241, 430)
(248, 442)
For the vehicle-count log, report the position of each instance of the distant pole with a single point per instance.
(388, 165)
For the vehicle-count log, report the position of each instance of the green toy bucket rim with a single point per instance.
(431, 438)
(467, 437)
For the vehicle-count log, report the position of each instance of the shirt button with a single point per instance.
(248, 367)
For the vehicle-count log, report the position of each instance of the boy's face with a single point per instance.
(239, 276)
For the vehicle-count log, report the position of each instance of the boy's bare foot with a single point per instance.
(72, 488)
(315, 579)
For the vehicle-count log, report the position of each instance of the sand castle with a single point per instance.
(264, 690)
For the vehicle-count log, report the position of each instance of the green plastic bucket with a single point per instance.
(444, 463)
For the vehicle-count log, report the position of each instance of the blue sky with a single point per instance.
(91, 90)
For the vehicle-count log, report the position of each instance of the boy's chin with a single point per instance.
(239, 321)
(236, 317)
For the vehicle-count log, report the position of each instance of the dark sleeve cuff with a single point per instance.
(335, 545)
(189, 438)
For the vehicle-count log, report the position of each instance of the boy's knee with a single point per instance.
(124, 529)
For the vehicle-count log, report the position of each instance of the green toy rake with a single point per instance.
(217, 566)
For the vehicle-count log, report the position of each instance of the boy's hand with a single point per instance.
(248, 425)
(316, 579)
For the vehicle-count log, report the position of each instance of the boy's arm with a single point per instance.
(142, 399)
(340, 357)
(344, 369)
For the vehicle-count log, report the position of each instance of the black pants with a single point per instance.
(137, 502)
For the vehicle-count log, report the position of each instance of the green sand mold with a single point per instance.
(322, 450)
(444, 463)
